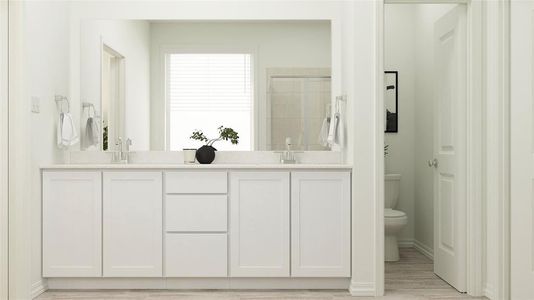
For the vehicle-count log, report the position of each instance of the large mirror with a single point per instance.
(156, 82)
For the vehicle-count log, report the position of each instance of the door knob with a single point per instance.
(433, 163)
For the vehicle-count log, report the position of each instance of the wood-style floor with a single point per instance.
(411, 278)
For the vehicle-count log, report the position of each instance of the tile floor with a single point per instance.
(409, 279)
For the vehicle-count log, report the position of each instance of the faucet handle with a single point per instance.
(128, 144)
(282, 154)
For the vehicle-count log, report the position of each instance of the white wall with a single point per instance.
(46, 68)
(131, 39)
(364, 87)
(278, 44)
(400, 56)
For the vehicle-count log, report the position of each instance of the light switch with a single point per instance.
(36, 105)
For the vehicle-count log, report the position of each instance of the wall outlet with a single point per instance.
(36, 105)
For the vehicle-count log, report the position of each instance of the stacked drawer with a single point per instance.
(196, 224)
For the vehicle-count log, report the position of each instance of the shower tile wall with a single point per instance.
(298, 107)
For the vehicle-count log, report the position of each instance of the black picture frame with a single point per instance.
(392, 117)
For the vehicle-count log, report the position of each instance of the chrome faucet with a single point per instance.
(128, 144)
(126, 155)
(121, 156)
(288, 156)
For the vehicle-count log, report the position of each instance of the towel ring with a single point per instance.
(90, 106)
(60, 100)
(338, 99)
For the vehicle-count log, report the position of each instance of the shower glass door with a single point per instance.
(298, 108)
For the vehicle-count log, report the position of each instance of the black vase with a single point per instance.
(205, 154)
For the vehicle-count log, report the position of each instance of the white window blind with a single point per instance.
(208, 90)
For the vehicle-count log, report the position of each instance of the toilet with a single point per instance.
(394, 220)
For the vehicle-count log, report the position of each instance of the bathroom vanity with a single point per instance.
(272, 211)
(209, 224)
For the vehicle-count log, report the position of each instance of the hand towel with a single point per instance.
(323, 133)
(67, 135)
(92, 132)
(333, 132)
(59, 137)
(95, 130)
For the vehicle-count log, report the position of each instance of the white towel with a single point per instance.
(92, 132)
(332, 133)
(59, 134)
(323, 134)
(66, 131)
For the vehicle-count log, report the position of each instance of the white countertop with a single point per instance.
(194, 166)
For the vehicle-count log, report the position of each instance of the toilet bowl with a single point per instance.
(394, 220)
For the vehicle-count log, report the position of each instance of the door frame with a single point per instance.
(496, 190)
(521, 75)
(19, 137)
(119, 119)
(474, 247)
(4, 204)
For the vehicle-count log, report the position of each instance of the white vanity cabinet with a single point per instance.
(320, 224)
(259, 224)
(205, 223)
(72, 224)
(132, 224)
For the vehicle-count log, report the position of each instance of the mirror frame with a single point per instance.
(396, 87)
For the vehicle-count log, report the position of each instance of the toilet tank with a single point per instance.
(392, 190)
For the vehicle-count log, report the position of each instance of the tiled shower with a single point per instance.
(297, 107)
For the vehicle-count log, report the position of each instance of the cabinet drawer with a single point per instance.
(196, 213)
(196, 255)
(196, 182)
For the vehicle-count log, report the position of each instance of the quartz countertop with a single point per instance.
(194, 166)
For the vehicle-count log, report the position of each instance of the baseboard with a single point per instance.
(38, 288)
(362, 289)
(489, 291)
(424, 249)
(406, 243)
(198, 283)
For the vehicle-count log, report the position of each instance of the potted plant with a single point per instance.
(206, 153)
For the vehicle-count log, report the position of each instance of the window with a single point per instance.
(205, 91)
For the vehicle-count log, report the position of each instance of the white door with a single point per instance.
(132, 224)
(72, 224)
(450, 147)
(320, 224)
(522, 150)
(259, 224)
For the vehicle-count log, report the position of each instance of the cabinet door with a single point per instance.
(72, 224)
(133, 224)
(320, 224)
(259, 224)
